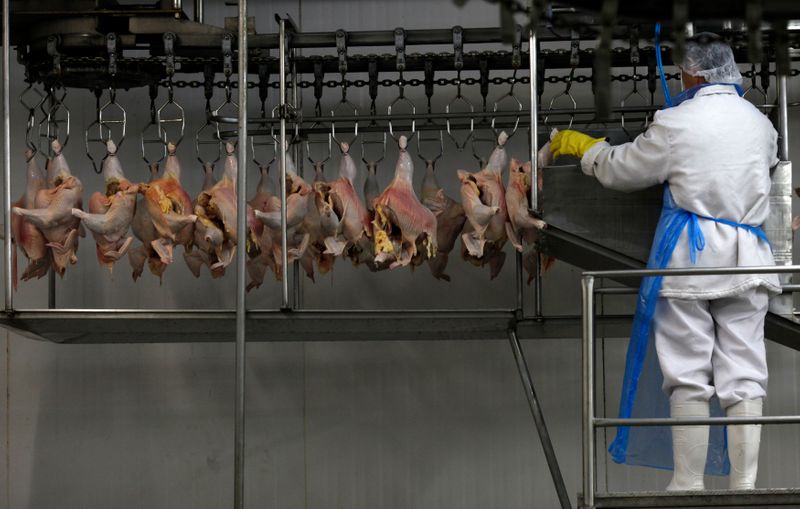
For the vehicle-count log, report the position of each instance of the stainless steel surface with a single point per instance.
(537, 288)
(241, 269)
(711, 271)
(283, 148)
(711, 498)
(533, 62)
(587, 299)
(538, 419)
(623, 222)
(601, 422)
(7, 269)
(778, 225)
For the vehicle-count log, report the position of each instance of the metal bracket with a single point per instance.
(208, 85)
(516, 48)
(483, 64)
(574, 49)
(53, 42)
(111, 48)
(458, 48)
(400, 47)
(153, 125)
(319, 76)
(634, 43)
(263, 85)
(341, 50)
(373, 85)
(428, 81)
(227, 54)
(169, 52)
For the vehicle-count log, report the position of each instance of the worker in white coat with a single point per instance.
(713, 150)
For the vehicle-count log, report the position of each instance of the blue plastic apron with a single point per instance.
(642, 395)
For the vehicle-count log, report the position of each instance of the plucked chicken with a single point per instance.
(403, 226)
(52, 212)
(25, 235)
(450, 219)
(111, 212)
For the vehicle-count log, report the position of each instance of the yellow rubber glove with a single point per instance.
(572, 143)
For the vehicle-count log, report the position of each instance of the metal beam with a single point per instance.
(709, 498)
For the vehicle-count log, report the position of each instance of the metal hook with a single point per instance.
(179, 116)
(227, 104)
(431, 160)
(51, 123)
(254, 144)
(200, 138)
(373, 162)
(566, 93)
(160, 135)
(633, 94)
(344, 103)
(402, 100)
(459, 99)
(509, 95)
(754, 87)
(31, 104)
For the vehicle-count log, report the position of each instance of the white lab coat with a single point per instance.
(715, 150)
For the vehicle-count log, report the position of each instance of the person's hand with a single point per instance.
(572, 143)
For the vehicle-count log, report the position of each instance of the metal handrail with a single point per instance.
(590, 421)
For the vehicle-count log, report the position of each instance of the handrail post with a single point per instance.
(587, 287)
(241, 281)
(8, 286)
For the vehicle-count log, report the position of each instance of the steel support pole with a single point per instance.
(783, 106)
(538, 419)
(8, 288)
(199, 7)
(283, 148)
(534, 120)
(587, 287)
(241, 280)
(297, 104)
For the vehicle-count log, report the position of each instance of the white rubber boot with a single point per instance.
(743, 444)
(689, 447)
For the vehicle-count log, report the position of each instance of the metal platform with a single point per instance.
(789, 497)
(157, 326)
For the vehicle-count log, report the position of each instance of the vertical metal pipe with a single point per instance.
(297, 105)
(282, 109)
(199, 7)
(538, 287)
(534, 121)
(520, 293)
(538, 419)
(241, 281)
(8, 288)
(587, 286)
(783, 106)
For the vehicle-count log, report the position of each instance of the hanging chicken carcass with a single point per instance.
(524, 228)
(268, 252)
(344, 219)
(402, 226)
(162, 220)
(215, 236)
(450, 219)
(52, 212)
(483, 199)
(111, 212)
(25, 235)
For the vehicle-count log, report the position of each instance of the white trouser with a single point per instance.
(705, 346)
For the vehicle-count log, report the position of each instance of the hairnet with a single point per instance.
(708, 56)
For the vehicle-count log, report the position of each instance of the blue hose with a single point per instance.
(667, 97)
